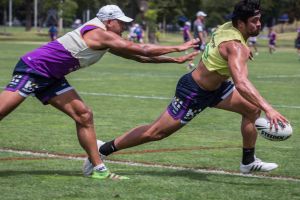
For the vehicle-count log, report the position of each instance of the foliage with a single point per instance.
(167, 10)
(218, 11)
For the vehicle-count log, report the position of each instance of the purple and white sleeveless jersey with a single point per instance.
(66, 54)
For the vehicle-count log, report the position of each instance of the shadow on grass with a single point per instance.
(7, 173)
(159, 174)
(201, 177)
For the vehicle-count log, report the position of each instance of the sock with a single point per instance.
(248, 155)
(100, 167)
(108, 148)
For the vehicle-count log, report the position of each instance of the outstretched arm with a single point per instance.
(100, 39)
(237, 55)
(157, 59)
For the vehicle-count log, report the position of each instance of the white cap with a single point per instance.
(112, 12)
(187, 23)
(201, 14)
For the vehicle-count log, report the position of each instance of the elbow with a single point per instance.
(149, 51)
(241, 86)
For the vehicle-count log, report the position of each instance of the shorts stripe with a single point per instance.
(21, 84)
(186, 104)
(23, 94)
(228, 92)
(64, 90)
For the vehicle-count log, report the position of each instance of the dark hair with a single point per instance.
(245, 9)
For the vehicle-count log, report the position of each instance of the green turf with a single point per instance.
(42, 128)
(61, 179)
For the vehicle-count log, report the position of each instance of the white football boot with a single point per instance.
(257, 166)
(88, 167)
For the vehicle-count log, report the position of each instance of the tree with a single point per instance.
(28, 10)
(151, 17)
(218, 11)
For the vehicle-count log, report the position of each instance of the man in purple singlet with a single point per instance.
(42, 71)
(272, 40)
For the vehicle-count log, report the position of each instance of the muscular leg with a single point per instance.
(9, 101)
(236, 103)
(164, 126)
(71, 104)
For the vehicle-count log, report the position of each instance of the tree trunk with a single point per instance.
(29, 6)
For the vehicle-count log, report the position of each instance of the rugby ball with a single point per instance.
(284, 131)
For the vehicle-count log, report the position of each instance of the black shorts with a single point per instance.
(29, 82)
(190, 99)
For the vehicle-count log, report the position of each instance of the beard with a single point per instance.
(254, 34)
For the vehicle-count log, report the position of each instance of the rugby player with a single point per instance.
(42, 72)
(225, 56)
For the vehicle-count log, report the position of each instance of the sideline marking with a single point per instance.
(279, 76)
(124, 95)
(159, 98)
(154, 165)
(168, 75)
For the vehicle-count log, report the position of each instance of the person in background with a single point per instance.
(272, 40)
(252, 43)
(139, 33)
(132, 35)
(53, 32)
(186, 33)
(297, 42)
(199, 30)
(199, 33)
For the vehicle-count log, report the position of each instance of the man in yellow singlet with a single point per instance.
(225, 57)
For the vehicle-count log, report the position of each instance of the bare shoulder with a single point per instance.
(98, 38)
(233, 47)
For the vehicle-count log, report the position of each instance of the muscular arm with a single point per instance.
(100, 39)
(157, 59)
(237, 55)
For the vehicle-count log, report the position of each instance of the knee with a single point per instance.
(84, 116)
(155, 133)
(252, 113)
(2, 114)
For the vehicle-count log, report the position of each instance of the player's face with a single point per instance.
(253, 25)
(116, 26)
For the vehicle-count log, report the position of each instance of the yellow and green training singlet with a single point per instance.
(211, 56)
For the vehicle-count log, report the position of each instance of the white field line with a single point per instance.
(159, 98)
(166, 76)
(152, 75)
(279, 76)
(124, 95)
(202, 171)
(24, 42)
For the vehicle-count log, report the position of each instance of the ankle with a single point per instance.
(248, 156)
(108, 148)
(100, 168)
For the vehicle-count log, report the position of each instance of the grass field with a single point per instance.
(124, 94)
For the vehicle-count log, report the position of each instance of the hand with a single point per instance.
(251, 57)
(188, 57)
(190, 44)
(275, 118)
(202, 47)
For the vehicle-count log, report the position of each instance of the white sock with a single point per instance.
(100, 167)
